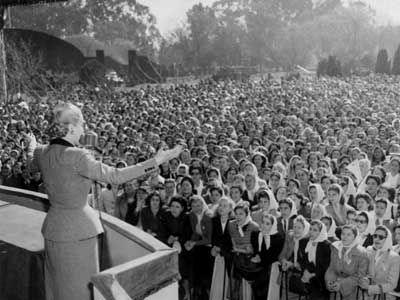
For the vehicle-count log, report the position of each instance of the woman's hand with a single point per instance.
(296, 265)
(163, 156)
(336, 286)
(30, 140)
(364, 283)
(171, 240)
(286, 265)
(256, 259)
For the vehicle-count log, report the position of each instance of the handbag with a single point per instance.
(297, 286)
(245, 268)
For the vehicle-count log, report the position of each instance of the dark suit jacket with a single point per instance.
(280, 225)
(268, 257)
(323, 256)
(221, 238)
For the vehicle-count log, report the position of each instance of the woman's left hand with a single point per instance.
(163, 156)
(256, 259)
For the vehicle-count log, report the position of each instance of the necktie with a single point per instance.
(284, 226)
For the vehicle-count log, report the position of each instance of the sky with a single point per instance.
(171, 13)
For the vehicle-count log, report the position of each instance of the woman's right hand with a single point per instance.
(30, 140)
(364, 283)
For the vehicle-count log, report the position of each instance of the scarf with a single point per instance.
(320, 192)
(332, 229)
(370, 229)
(240, 227)
(387, 246)
(311, 247)
(267, 236)
(297, 240)
(339, 246)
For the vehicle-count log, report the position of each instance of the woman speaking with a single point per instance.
(71, 227)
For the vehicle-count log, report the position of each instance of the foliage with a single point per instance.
(330, 66)
(107, 21)
(396, 62)
(92, 73)
(382, 62)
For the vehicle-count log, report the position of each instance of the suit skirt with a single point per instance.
(69, 267)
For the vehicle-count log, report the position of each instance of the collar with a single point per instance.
(62, 142)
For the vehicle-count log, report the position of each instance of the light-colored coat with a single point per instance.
(350, 273)
(385, 273)
(67, 173)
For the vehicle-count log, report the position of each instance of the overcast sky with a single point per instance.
(170, 13)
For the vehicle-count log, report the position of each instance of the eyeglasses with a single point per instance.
(379, 236)
(360, 221)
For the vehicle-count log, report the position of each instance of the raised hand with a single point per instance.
(166, 155)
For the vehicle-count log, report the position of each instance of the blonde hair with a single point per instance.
(64, 114)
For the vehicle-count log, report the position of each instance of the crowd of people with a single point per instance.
(304, 173)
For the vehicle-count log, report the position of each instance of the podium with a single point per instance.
(134, 265)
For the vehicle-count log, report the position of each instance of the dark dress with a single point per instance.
(201, 260)
(178, 227)
(153, 223)
(323, 255)
(222, 239)
(268, 257)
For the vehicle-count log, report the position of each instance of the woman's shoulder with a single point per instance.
(253, 226)
(359, 251)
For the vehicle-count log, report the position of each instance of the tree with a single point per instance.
(92, 73)
(396, 62)
(382, 65)
(333, 67)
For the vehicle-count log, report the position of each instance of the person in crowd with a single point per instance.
(289, 255)
(348, 264)
(199, 247)
(337, 208)
(366, 227)
(267, 244)
(71, 227)
(265, 202)
(331, 228)
(384, 266)
(152, 216)
(176, 232)
(314, 258)
(288, 211)
(222, 250)
(243, 271)
(135, 207)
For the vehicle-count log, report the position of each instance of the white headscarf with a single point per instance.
(273, 204)
(267, 236)
(332, 230)
(293, 211)
(319, 206)
(370, 229)
(320, 191)
(311, 247)
(305, 233)
(387, 245)
(351, 190)
(247, 221)
(339, 246)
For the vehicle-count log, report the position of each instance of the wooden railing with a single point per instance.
(134, 265)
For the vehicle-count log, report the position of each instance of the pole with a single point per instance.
(3, 63)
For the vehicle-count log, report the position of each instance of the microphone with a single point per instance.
(89, 140)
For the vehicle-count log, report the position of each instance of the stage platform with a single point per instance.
(134, 264)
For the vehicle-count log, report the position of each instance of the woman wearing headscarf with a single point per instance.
(314, 255)
(292, 166)
(393, 176)
(316, 193)
(240, 230)
(383, 214)
(366, 227)
(331, 228)
(384, 266)
(267, 245)
(266, 202)
(289, 255)
(336, 207)
(349, 263)
(318, 211)
(199, 247)
(222, 250)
